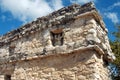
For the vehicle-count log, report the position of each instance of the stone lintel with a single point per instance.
(81, 49)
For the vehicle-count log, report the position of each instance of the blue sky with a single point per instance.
(15, 13)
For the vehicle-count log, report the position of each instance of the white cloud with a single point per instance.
(117, 4)
(112, 16)
(108, 13)
(26, 10)
(81, 1)
(56, 4)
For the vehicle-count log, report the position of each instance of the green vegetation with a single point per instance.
(115, 45)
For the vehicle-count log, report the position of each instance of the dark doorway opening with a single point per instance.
(57, 37)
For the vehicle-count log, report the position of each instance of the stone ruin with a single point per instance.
(68, 44)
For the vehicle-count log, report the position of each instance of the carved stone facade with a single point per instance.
(69, 44)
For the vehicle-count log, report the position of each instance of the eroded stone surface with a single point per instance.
(69, 44)
(81, 65)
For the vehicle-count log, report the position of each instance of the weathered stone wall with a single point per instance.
(80, 65)
(29, 54)
(81, 33)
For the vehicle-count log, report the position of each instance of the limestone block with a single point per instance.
(1, 77)
(68, 75)
(93, 38)
(92, 31)
(104, 47)
(48, 70)
(81, 77)
(91, 21)
(60, 17)
(61, 49)
(70, 45)
(4, 52)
